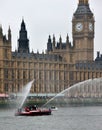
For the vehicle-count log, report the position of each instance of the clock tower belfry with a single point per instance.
(83, 32)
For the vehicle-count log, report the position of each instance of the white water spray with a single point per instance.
(88, 89)
(25, 93)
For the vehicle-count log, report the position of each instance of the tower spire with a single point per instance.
(9, 34)
(1, 34)
(23, 41)
(83, 9)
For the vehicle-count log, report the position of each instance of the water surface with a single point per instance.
(70, 118)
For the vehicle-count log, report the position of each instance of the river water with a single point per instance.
(70, 118)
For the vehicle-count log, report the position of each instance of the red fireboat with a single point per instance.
(33, 111)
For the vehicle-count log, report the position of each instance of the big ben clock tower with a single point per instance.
(83, 32)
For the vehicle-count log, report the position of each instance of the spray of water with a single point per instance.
(24, 94)
(85, 89)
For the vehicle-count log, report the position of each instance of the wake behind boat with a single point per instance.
(33, 111)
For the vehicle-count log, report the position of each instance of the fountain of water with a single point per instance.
(23, 94)
(86, 92)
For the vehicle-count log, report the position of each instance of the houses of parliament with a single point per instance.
(63, 64)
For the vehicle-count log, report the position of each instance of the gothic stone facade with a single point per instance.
(63, 64)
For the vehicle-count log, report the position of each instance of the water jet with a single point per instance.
(85, 92)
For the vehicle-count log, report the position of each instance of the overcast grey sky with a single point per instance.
(44, 17)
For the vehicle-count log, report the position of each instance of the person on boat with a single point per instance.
(27, 109)
(34, 107)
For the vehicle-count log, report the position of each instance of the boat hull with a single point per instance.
(34, 113)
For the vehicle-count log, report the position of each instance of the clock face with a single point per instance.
(90, 26)
(79, 27)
